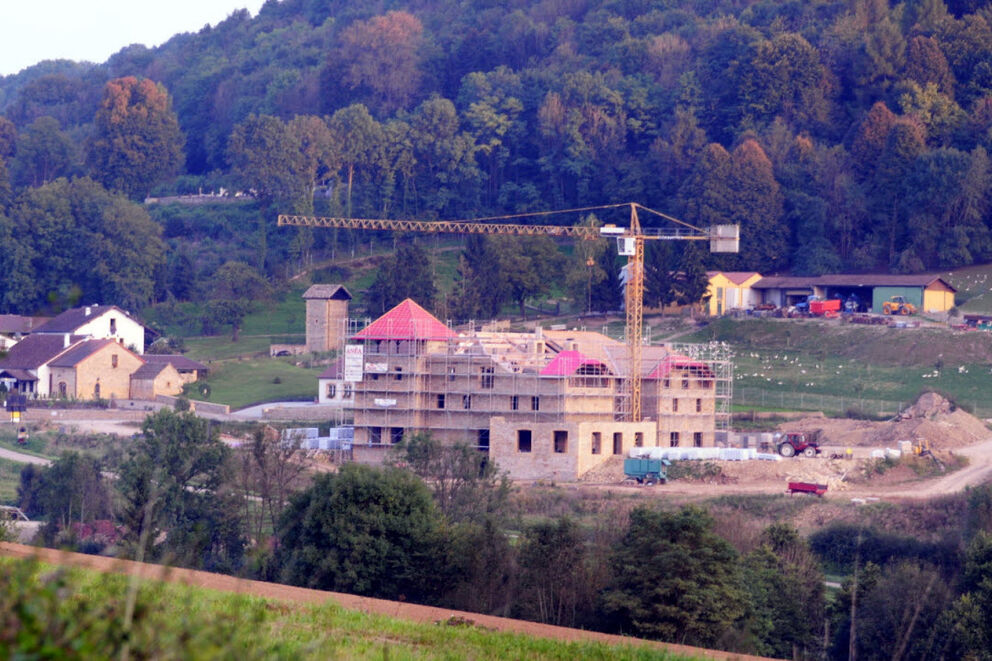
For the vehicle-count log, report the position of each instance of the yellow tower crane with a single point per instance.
(630, 243)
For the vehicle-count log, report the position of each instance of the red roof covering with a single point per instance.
(665, 367)
(406, 321)
(567, 363)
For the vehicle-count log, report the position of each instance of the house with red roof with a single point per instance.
(547, 404)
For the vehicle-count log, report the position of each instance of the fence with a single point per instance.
(835, 404)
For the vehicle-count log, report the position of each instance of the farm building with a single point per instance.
(928, 292)
(542, 404)
(731, 290)
(98, 322)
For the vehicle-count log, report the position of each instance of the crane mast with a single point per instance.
(630, 241)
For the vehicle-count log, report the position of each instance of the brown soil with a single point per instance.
(955, 437)
(401, 610)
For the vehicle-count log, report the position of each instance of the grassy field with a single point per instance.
(10, 477)
(239, 383)
(816, 366)
(224, 625)
(974, 285)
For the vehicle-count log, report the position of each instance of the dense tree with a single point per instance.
(573, 108)
(363, 530)
(445, 172)
(481, 287)
(265, 156)
(466, 485)
(660, 273)
(554, 585)
(408, 274)
(381, 57)
(782, 578)
(174, 480)
(71, 490)
(44, 153)
(234, 290)
(76, 234)
(607, 295)
(358, 140)
(757, 205)
(784, 77)
(925, 63)
(674, 579)
(137, 142)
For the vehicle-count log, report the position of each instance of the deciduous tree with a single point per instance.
(382, 55)
(44, 153)
(363, 530)
(137, 142)
(674, 579)
(174, 480)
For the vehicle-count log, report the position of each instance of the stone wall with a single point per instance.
(562, 451)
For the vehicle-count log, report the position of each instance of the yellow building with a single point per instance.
(731, 290)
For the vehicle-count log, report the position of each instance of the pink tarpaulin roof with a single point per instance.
(406, 321)
(567, 363)
(665, 367)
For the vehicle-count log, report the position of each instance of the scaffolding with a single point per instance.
(720, 358)
(422, 378)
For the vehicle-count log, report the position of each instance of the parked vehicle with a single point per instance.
(825, 308)
(793, 443)
(646, 471)
(811, 488)
(898, 305)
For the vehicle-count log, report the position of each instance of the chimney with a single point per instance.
(65, 341)
(87, 310)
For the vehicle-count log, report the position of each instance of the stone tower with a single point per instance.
(327, 316)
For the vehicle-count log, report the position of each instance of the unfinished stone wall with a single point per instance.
(562, 451)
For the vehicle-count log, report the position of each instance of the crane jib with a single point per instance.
(475, 227)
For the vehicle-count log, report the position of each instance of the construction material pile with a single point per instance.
(932, 418)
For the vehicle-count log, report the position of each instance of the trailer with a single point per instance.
(646, 471)
(825, 308)
(811, 488)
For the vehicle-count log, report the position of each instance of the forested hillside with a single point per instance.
(840, 134)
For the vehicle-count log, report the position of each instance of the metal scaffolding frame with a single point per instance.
(453, 386)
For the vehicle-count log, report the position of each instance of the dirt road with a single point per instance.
(401, 610)
(22, 458)
(978, 471)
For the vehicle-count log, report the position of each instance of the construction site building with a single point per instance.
(547, 404)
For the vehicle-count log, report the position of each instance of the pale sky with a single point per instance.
(93, 30)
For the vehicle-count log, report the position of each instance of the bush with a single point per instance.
(838, 545)
(59, 616)
(694, 470)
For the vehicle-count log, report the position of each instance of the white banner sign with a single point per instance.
(354, 358)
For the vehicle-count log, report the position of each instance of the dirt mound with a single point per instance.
(610, 470)
(820, 471)
(931, 418)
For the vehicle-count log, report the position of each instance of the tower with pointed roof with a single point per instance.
(327, 317)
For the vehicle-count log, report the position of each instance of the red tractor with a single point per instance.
(793, 443)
